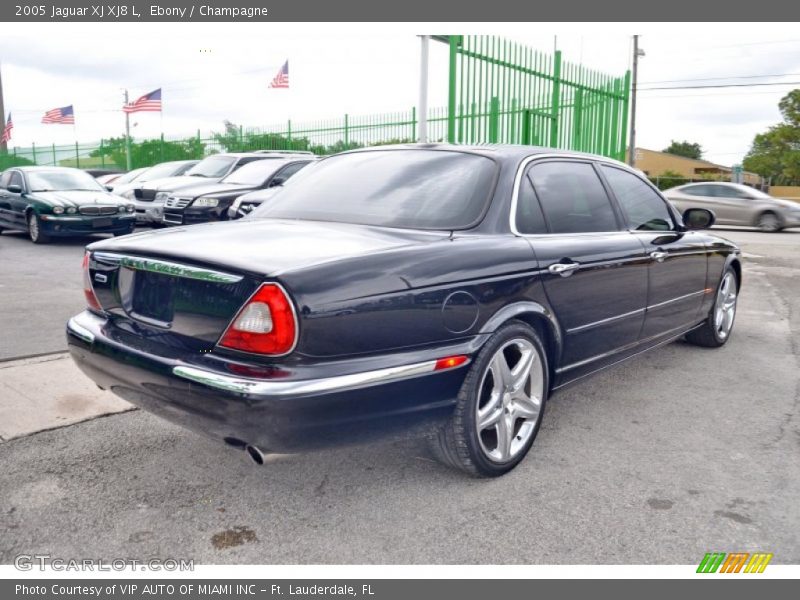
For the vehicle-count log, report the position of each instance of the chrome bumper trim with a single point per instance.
(80, 331)
(309, 386)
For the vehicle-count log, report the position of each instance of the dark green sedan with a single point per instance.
(57, 201)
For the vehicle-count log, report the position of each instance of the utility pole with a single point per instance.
(127, 135)
(422, 112)
(632, 145)
(3, 145)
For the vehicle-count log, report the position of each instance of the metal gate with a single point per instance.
(503, 92)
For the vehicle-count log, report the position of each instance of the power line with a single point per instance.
(721, 78)
(717, 86)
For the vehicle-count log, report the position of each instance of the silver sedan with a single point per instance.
(737, 204)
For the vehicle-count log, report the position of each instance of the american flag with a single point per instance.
(7, 130)
(281, 80)
(148, 103)
(64, 115)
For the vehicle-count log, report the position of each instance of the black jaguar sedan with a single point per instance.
(434, 289)
(58, 202)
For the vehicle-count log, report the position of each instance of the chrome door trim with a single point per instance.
(605, 321)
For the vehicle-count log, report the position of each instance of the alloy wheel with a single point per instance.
(33, 227)
(725, 307)
(769, 223)
(510, 400)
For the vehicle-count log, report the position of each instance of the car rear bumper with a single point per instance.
(282, 408)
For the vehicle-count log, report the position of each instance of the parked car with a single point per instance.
(58, 201)
(737, 204)
(247, 203)
(210, 201)
(438, 289)
(107, 178)
(103, 172)
(209, 170)
(148, 211)
(125, 178)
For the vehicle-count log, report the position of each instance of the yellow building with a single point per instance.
(655, 164)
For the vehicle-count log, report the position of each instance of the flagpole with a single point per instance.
(127, 135)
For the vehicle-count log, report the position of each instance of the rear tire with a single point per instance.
(716, 329)
(500, 405)
(769, 222)
(35, 230)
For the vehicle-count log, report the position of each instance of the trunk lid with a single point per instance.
(182, 286)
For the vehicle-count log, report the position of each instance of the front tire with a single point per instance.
(35, 230)
(500, 405)
(769, 222)
(716, 329)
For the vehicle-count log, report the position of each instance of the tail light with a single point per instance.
(266, 324)
(88, 290)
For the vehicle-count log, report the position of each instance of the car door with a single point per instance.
(677, 267)
(736, 205)
(5, 199)
(594, 273)
(17, 202)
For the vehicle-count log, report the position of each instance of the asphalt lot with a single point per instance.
(674, 454)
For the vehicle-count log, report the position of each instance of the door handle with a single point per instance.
(659, 255)
(564, 269)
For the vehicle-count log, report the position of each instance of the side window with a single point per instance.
(243, 161)
(284, 174)
(700, 190)
(16, 179)
(643, 208)
(572, 198)
(4, 179)
(529, 217)
(733, 192)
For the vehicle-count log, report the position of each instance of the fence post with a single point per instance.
(54, 156)
(451, 92)
(555, 100)
(623, 130)
(161, 148)
(77, 157)
(33, 151)
(346, 132)
(289, 133)
(494, 115)
(413, 136)
(241, 137)
(526, 127)
(102, 154)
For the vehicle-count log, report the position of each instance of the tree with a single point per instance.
(776, 152)
(150, 152)
(684, 148)
(8, 160)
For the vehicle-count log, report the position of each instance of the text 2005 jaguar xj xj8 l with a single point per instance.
(441, 289)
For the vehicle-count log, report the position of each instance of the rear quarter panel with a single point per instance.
(411, 297)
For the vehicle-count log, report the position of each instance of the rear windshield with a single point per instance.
(415, 189)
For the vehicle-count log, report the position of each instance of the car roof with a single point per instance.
(511, 152)
(45, 168)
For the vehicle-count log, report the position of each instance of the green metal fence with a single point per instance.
(503, 92)
(498, 92)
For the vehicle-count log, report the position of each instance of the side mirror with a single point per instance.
(14, 188)
(109, 188)
(698, 218)
(276, 182)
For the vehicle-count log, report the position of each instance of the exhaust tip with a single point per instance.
(255, 454)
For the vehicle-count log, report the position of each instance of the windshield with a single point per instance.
(254, 173)
(213, 166)
(163, 170)
(415, 189)
(62, 181)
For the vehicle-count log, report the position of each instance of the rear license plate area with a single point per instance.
(152, 298)
(104, 222)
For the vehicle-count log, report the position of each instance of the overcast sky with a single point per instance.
(212, 72)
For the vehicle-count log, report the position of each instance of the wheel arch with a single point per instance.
(767, 211)
(541, 319)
